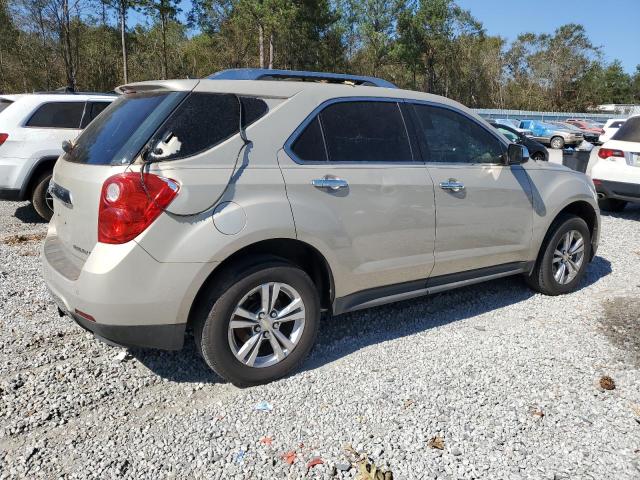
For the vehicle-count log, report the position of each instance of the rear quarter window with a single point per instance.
(204, 120)
(57, 115)
(4, 104)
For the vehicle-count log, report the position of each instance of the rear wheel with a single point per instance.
(557, 142)
(563, 257)
(41, 198)
(259, 323)
(538, 156)
(611, 204)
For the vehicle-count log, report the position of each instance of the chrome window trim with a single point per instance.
(469, 117)
(288, 145)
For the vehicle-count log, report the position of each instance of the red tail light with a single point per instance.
(126, 210)
(3, 137)
(610, 152)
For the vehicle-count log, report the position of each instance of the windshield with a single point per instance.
(629, 131)
(117, 135)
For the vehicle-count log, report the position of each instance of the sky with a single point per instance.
(613, 25)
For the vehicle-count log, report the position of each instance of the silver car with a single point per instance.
(245, 209)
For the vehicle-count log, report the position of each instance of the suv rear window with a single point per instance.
(57, 115)
(198, 120)
(4, 103)
(629, 131)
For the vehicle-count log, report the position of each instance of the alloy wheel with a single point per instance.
(568, 257)
(266, 324)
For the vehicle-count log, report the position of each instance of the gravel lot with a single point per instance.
(505, 381)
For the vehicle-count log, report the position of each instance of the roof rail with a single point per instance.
(300, 75)
(63, 91)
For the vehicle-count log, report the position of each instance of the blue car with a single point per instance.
(552, 135)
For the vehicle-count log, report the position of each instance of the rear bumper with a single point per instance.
(629, 192)
(163, 337)
(134, 299)
(10, 194)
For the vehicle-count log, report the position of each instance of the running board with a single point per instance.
(362, 300)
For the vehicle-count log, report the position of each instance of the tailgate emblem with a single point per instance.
(61, 194)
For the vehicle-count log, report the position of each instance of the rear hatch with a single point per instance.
(106, 147)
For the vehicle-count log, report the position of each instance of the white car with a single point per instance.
(610, 128)
(32, 129)
(616, 174)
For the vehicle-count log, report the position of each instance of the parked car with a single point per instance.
(32, 129)
(587, 126)
(537, 151)
(246, 208)
(590, 137)
(552, 135)
(510, 122)
(610, 128)
(616, 174)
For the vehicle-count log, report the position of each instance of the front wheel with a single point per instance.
(259, 323)
(563, 257)
(41, 199)
(557, 142)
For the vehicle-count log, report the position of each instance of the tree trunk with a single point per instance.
(271, 50)
(261, 44)
(65, 30)
(163, 22)
(122, 10)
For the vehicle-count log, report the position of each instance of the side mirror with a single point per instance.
(517, 154)
(67, 146)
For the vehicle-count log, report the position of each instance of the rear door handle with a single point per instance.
(452, 184)
(331, 183)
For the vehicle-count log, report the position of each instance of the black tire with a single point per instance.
(538, 156)
(212, 321)
(557, 142)
(611, 204)
(39, 197)
(541, 279)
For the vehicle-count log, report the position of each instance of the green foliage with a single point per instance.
(429, 45)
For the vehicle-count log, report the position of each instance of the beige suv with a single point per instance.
(244, 209)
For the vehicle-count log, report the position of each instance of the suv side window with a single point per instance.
(93, 110)
(57, 115)
(365, 131)
(309, 146)
(447, 136)
(204, 120)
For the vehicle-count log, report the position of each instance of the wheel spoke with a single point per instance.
(567, 241)
(284, 340)
(274, 296)
(289, 308)
(578, 246)
(242, 324)
(560, 273)
(277, 349)
(300, 315)
(254, 353)
(264, 297)
(241, 312)
(244, 350)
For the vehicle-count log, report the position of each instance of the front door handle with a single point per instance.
(331, 183)
(452, 184)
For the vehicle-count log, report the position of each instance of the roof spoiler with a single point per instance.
(304, 76)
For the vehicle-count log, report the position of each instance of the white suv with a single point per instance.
(616, 174)
(32, 129)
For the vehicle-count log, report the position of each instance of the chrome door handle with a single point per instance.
(332, 183)
(452, 185)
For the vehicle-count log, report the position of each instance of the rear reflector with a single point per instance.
(127, 207)
(84, 315)
(610, 152)
(3, 137)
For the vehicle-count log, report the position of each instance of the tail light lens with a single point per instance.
(610, 152)
(3, 137)
(126, 210)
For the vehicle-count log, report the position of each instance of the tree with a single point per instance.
(163, 11)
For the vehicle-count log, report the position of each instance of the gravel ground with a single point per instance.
(506, 382)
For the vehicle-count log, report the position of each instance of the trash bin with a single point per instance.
(576, 159)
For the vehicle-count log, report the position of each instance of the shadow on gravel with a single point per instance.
(620, 324)
(631, 212)
(344, 334)
(26, 214)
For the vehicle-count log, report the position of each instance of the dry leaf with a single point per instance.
(436, 442)
(266, 440)
(607, 383)
(289, 457)
(408, 403)
(315, 461)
